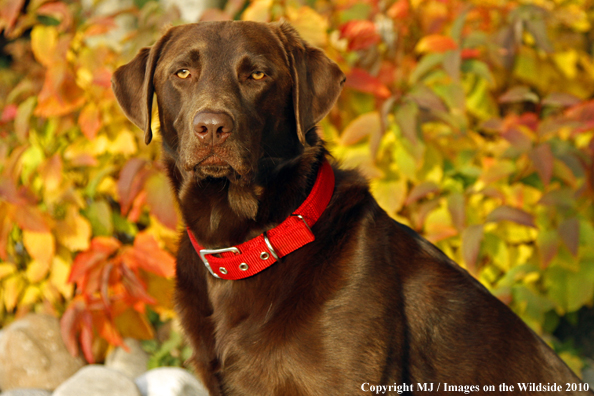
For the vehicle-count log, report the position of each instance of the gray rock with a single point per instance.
(27, 392)
(170, 381)
(34, 355)
(96, 380)
(132, 363)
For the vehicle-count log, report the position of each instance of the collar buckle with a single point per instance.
(204, 252)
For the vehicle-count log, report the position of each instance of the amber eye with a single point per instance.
(183, 73)
(258, 75)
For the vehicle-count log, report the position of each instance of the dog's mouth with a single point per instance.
(214, 167)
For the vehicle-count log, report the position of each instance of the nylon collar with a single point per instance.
(255, 255)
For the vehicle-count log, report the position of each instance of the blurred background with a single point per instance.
(473, 120)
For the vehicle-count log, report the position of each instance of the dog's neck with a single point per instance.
(222, 214)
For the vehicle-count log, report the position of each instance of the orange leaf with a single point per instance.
(399, 10)
(133, 324)
(59, 95)
(30, 218)
(100, 25)
(101, 248)
(436, 43)
(361, 127)
(90, 120)
(159, 198)
(361, 80)
(149, 256)
(134, 286)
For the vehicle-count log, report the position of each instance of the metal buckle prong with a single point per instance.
(304, 222)
(272, 251)
(204, 252)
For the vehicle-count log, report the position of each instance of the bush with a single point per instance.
(472, 120)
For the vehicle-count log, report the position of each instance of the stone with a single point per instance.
(133, 363)
(34, 355)
(97, 380)
(27, 392)
(170, 381)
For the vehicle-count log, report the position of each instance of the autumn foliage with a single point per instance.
(473, 121)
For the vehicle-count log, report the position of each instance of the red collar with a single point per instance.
(255, 255)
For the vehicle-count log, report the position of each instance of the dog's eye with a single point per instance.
(258, 75)
(183, 73)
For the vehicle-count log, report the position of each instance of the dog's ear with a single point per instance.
(133, 87)
(317, 80)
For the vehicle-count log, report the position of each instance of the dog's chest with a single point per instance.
(257, 350)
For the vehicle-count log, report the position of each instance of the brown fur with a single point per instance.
(369, 301)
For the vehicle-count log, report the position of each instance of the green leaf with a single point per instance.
(99, 215)
(570, 290)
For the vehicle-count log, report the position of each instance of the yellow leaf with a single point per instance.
(310, 25)
(132, 324)
(43, 43)
(390, 195)
(12, 288)
(124, 144)
(7, 269)
(59, 273)
(566, 61)
(31, 295)
(50, 293)
(40, 245)
(258, 11)
(37, 270)
(74, 232)
(162, 289)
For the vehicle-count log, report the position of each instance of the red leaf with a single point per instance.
(505, 212)
(9, 113)
(360, 80)
(86, 336)
(59, 11)
(9, 12)
(471, 244)
(421, 191)
(470, 53)
(69, 326)
(570, 234)
(131, 181)
(543, 160)
(361, 34)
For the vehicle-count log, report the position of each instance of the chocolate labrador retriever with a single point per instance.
(291, 280)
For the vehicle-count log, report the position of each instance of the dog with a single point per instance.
(291, 280)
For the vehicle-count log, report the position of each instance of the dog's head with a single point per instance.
(232, 96)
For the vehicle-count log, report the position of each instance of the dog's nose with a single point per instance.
(213, 128)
